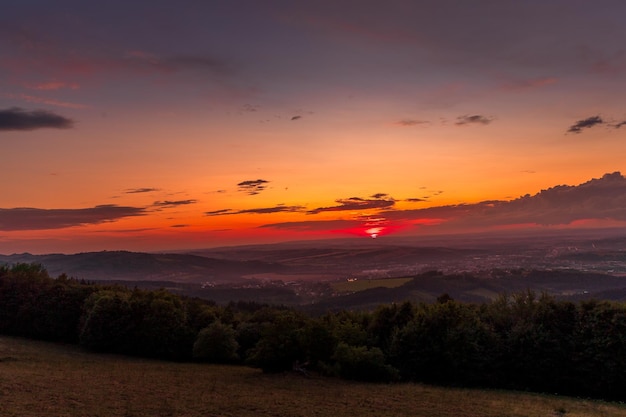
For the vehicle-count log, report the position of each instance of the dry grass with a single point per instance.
(41, 379)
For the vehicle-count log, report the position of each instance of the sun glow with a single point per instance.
(374, 231)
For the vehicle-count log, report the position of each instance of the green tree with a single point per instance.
(107, 323)
(387, 319)
(159, 326)
(444, 343)
(280, 344)
(216, 343)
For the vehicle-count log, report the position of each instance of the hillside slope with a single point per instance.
(46, 380)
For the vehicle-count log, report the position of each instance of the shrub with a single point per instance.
(363, 363)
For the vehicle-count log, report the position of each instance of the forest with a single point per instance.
(521, 341)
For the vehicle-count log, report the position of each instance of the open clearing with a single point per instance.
(43, 379)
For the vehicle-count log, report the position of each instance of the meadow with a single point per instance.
(40, 379)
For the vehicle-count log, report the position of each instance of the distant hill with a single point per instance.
(470, 268)
(134, 266)
(467, 287)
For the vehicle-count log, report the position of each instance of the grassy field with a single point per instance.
(41, 379)
(366, 284)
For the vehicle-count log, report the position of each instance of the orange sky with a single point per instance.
(168, 125)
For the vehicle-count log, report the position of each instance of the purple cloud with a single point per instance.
(475, 119)
(252, 187)
(264, 210)
(585, 124)
(597, 199)
(170, 204)
(41, 219)
(314, 225)
(411, 122)
(17, 118)
(218, 212)
(356, 203)
(140, 190)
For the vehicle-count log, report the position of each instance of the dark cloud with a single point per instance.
(179, 225)
(47, 101)
(264, 210)
(314, 225)
(218, 212)
(176, 203)
(585, 124)
(296, 117)
(276, 209)
(252, 187)
(602, 199)
(618, 125)
(140, 190)
(414, 200)
(125, 231)
(411, 122)
(17, 118)
(474, 119)
(379, 195)
(356, 203)
(41, 219)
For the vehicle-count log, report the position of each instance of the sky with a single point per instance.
(163, 125)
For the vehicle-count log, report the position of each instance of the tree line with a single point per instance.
(522, 341)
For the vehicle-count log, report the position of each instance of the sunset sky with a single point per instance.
(161, 125)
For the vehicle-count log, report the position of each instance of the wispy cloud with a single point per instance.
(220, 212)
(587, 123)
(474, 119)
(47, 101)
(44, 56)
(12, 219)
(141, 190)
(296, 117)
(314, 225)
(53, 85)
(356, 203)
(252, 187)
(17, 118)
(263, 210)
(250, 108)
(411, 122)
(519, 85)
(173, 203)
